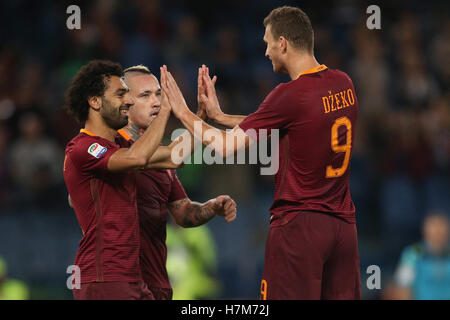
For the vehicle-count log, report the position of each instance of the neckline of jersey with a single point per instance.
(313, 70)
(88, 132)
(124, 134)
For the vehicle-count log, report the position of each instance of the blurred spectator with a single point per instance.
(5, 179)
(191, 263)
(436, 123)
(226, 55)
(423, 272)
(11, 289)
(151, 20)
(440, 53)
(186, 45)
(36, 163)
(30, 94)
(370, 73)
(416, 84)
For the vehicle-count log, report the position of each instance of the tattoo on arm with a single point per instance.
(192, 213)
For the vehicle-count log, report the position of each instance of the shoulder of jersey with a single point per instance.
(341, 73)
(85, 141)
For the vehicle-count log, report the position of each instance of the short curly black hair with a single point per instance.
(90, 81)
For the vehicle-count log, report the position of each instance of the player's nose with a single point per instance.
(128, 99)
(156, 102)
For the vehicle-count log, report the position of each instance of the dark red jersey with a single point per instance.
(155, 189)
(105, 205)
(316, 117)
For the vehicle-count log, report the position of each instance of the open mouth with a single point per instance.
(154, 112)
(124, 111)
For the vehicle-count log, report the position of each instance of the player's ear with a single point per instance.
(95, 103)
(283, 44)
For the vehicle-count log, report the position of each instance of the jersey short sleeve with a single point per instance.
(275, 112)
(90, 154)
(177, 191)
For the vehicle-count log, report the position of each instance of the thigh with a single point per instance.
(294, 257)
(341, 274)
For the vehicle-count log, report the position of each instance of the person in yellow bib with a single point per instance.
(192, 263)
(11, 289)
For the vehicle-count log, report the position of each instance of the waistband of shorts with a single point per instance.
(282, 219)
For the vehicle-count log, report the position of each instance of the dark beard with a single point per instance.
(112, 116)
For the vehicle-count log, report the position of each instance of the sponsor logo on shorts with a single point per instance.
(97, 150)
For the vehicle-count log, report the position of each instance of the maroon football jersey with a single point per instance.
(105, 205)
(155, 189)
(316, 117)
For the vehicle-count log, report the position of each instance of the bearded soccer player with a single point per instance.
(312, 247)
(100, 178)
(159, 190)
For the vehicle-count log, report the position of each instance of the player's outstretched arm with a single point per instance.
(208, 99)
(138, 155)
(187, 213)
(209, 136)
(162, 159)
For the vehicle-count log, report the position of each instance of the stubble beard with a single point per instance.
(112, 116)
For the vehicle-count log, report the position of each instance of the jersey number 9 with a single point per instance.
(336, 147)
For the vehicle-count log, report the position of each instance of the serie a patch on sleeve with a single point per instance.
(97, 150)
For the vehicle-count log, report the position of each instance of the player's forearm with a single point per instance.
(162, 159)
(163, 156)
(146, 145)
(195, 214)
(229, 120)
(209, 136)
(183, 142)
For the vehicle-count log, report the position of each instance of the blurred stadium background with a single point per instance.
(400, 165)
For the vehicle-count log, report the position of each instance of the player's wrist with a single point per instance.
(201, 113)
(165, 109)
(184, 114)
(219, 117)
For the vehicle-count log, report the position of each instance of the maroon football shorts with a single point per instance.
(313, 256)
(161, 293)
(113, 291)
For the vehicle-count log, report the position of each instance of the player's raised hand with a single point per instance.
(208, 97)
(225, 207)
(165, 103)
(173, 92)
(201, 111)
